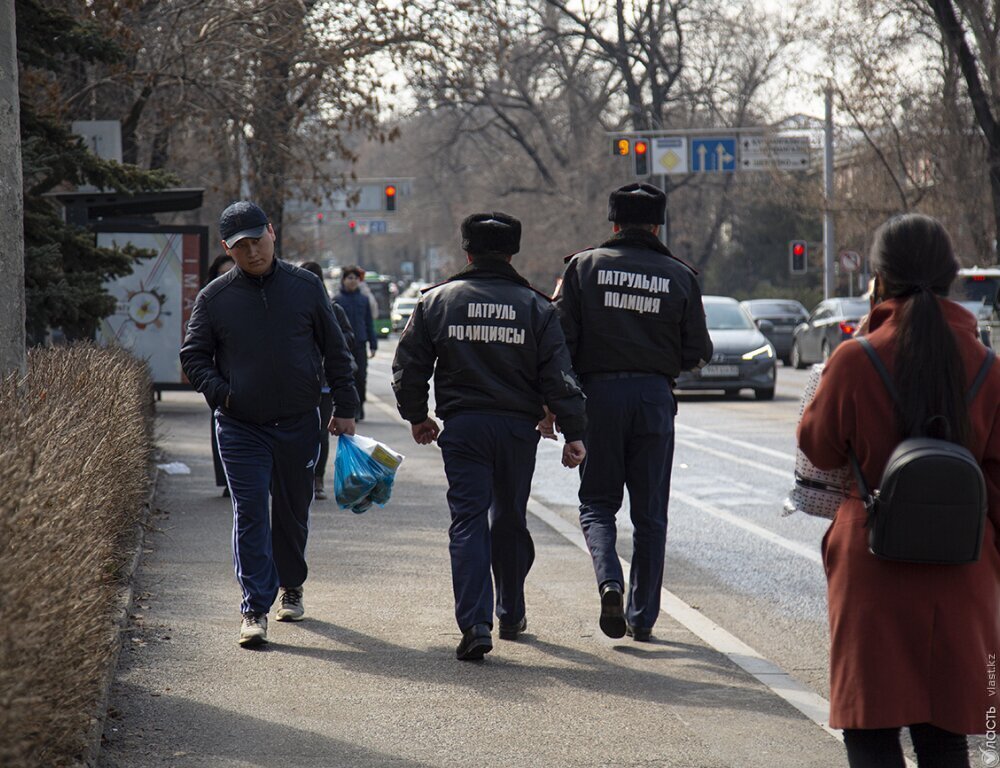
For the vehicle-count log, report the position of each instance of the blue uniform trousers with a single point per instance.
(274, 463)
(489, 460)
(630, 444)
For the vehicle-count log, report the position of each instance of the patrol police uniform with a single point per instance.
(633, 319)
(500, 355)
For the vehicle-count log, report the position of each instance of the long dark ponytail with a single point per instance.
(914, 261)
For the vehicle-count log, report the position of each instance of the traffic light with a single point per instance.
(641, 157)
(319, 218)
(353, 226)
(621, 147)
(798, 257)
(390, 197)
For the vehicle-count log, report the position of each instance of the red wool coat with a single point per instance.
(909, 643)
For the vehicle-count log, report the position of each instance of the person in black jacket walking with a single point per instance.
(633, 319)
(359, 311)
(258, 345)
(501, 357)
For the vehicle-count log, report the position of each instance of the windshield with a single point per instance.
(768, 308)
(381, 293)
(726, 317)
(856, 308)
(406, 303)
(980, 289)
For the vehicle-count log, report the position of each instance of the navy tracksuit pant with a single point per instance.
(270, 472)
(630, 444)
(489, 460)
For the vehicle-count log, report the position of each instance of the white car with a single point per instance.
(402, 308)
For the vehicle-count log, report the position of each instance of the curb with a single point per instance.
(120, 617)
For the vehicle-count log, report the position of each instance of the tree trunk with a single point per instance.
(12, 304)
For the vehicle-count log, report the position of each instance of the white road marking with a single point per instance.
(780, 472)
(753, 447)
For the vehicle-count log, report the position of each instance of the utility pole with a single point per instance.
(12, 306)
(828, 238)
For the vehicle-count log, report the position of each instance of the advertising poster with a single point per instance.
(154, 303)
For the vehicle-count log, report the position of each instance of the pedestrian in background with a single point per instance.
(910, 644)
(497, 353)
(259, 342)
(219, 266)
(326, 399)
(359, 312)
(633, 320)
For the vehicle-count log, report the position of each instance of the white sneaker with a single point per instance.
(253, 630)
(291, 604)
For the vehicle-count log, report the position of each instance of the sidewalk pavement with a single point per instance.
(370, 677)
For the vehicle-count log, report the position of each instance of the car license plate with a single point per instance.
(718, 371)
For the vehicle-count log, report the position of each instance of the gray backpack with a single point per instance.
(930, 506)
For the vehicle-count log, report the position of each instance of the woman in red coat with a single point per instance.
(911, 645)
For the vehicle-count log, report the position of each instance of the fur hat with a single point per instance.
(637, 204)
(491, 233)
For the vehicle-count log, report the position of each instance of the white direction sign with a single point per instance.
(761, 153)
(850, 261)
(670, 155)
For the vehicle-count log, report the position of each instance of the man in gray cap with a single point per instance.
(500, 360)
(633, 320)
(259, 341)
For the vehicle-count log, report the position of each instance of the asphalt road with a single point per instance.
(370, 679)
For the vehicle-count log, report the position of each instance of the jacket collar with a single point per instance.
(259, 279)
(641, 238)
(490, 268)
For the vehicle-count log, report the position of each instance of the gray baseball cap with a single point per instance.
(242, 219)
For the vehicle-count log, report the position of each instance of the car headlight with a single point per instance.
(754, 353)
(396, 317)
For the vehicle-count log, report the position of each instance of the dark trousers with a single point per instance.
(269, 463)
(361, 375)
(630, 444)
(220, 472)
(489, 460)
(325, 414)
(880, 748)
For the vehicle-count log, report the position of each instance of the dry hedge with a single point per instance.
(75, 449)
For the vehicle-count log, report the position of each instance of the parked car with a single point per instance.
(831, 322)
(402, 308)
(978, 290)
(743, 358)
(784, 315)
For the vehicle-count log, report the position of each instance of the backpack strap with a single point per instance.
(981, 376)
(882, 372)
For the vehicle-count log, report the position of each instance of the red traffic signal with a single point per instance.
(390, 197)
(798, 257)
(641, 148)
(352, 225)
(319, 218)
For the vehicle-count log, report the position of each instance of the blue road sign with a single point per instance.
(377, 227)
(713, 155)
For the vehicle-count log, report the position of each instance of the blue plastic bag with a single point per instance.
(364, 470)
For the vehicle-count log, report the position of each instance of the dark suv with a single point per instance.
(784, 315)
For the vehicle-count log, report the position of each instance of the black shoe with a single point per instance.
(612, 610)
(476, 643)
(639, 634)
(511, 631)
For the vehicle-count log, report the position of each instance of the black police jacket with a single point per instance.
(257, 346)
(630, 305)
(499, 349)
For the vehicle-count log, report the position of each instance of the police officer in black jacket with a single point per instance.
(501, 357)
(260, 340)
(633, 320)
